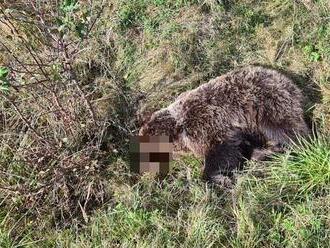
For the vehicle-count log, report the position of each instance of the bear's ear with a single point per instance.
(160, 123)
(143, 118)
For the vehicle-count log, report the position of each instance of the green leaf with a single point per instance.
(308, 48)
(3, 73)
(4, 84)
(4, 87)
(69, 5)
(315, 56)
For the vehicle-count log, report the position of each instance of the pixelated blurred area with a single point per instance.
(151, 154)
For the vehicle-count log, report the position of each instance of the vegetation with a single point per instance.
(77, 79)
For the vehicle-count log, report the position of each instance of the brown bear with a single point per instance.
(233, 116)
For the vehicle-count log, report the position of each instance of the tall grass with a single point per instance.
(288, 207)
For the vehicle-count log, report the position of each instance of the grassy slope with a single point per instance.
(161, 48)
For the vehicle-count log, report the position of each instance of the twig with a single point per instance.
(22, 117)
(73, 79)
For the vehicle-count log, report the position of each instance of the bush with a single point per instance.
(53, 130)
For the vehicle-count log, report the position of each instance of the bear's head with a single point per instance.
(161, 122)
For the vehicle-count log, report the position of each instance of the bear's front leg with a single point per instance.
(221, 161)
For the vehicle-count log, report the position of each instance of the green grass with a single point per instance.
(282, 203)
(138, 56)
(289, 206)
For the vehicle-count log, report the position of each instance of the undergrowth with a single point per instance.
(77, 78)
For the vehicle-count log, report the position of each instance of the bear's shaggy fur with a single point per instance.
(225, 119)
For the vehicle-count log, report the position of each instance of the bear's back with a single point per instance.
(239, 88)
